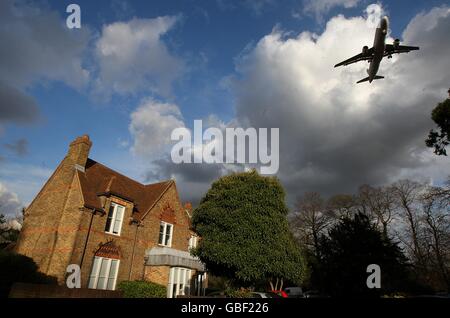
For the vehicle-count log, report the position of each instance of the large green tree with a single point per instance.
(245, 233)
(344, 254)
(439, 140)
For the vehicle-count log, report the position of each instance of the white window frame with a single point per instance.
(163, 243)
(113, 219)
(193, 241)
(180, 276)
(96, 275)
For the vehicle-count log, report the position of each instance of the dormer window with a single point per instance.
(115, 218)
(165, 234)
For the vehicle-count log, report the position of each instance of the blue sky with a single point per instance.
(204, 50)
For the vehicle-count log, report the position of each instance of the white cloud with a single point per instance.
(10, 204)
(151, 126)
(133, 58)
(321, 7)
(335, 134)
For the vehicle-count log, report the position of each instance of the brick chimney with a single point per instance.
(79, 150)
(188, 207)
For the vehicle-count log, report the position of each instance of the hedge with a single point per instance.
(142, 289)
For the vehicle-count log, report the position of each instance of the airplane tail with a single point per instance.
(367, 78)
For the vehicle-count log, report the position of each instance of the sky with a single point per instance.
(136, 70)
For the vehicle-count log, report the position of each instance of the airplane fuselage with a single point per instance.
(378, 47)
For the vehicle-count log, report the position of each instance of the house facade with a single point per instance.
(115, 228)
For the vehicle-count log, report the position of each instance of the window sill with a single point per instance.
(109, 233)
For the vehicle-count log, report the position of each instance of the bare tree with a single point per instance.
(408, 196)
(379, 204)
(437, 220)
(343, 205)
(310, 219)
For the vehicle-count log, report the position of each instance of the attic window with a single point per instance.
(115, 218)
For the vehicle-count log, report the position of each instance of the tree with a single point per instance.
(8, 234)
(440, 139)
(352, 245)
(343, 205)
(245, 233)
(310, 219)
(437, 219)
(408, 194)
(377, 203)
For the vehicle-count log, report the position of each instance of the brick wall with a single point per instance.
(157, 274)
(22, 290)
(51, 220)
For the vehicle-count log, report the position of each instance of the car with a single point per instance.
(280, 293)
(264, 295)
(294, 292)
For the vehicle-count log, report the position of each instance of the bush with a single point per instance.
(15, 268)
(238, 293)
(142, 289)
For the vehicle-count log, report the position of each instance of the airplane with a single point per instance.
(375, 54)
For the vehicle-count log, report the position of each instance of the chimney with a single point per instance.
(188, 206)
(79, 151)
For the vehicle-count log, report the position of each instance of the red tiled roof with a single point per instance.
(109, 250)
(100, 180)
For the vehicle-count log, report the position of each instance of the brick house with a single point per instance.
(116, 229)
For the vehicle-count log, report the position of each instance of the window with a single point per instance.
(104, 273)
(115, 218)
(193, 241)
(165, 234)
(179, 282)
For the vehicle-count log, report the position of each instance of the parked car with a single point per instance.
(294, 292)
(281, 293)
(264, 295)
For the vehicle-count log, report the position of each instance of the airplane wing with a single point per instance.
(394, 49)
(368, 55)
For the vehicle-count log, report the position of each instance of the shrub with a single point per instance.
(19, 268)
(142, 289)
(238, 293)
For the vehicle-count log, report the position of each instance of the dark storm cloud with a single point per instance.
(193, 180)
(335, 135)
(16, 106)
(37, 45)
(190, 172)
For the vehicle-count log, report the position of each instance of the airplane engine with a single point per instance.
(396, 43)
(365, 49)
